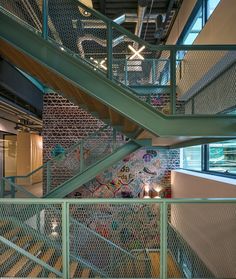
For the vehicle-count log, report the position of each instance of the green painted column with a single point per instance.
(65, 240)
(109, 51)
(163, 239)
(45, 19)
(173, 81)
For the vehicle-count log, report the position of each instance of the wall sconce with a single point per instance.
(54, 233)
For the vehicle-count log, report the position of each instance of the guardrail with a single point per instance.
(178, 237)
(175, 78)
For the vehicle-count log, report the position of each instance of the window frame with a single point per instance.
(205, 164)
(200, 6)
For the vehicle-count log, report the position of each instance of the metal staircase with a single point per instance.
(56, 49)
(35, 250)
(70, 169)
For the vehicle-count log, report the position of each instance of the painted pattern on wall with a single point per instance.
(145, 168)
(64, 124)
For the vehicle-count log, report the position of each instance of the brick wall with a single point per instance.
(65, 124)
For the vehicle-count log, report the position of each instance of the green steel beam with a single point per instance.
(150, 89)
(108, 92)
(89, 173)
(117, 201)
(199, 141)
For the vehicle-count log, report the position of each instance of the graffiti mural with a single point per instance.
(129, 177)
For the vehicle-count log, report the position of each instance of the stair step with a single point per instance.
(23, 260)
(73, 268)
(9, 252)
(46, 258)
(58, 266)
(4, 223)
(10, 234)
(85, 273)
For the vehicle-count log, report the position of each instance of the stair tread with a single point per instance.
(9, 252)
(23, 260)
(11, 233)
(46, 258)
(3, 223)
(57, 266)
(73, 267)
(85, 273)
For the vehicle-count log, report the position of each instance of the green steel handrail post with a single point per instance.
(45, 19)
(2, 190)
(12, 183)
(65, 240)
(114, 134)
(81, 156)
(38, 225)
(163, 239)
(126, 72)
(193, 105)
(109, 51)
(48, 177)
(153, 71)
(173, 81)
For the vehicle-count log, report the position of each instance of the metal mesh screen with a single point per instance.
(29, 11)
(82, 155)
(201, 239)
(74, 28)
(37, 230)
(110, 238)
(207, 78)
(134, 64)
(20, 188)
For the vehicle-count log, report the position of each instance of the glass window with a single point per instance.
(196, 24)
(194, 29)
(222, 157)
(211, 5)
(191, 158)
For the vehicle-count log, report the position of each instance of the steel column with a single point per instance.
(163, 239)
(173, 82)
(65, 240)
(45, 19)
(109, 51)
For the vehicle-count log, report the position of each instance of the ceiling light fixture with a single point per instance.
(136, 52)
(99, 64)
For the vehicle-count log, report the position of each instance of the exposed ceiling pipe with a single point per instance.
(161, 22)
(101, 42)
(128, 17)
(142, 5)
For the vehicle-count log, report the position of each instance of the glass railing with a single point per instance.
(120, 238)
(184, 80)
(64, 165)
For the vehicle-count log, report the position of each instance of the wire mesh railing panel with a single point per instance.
(25, 188)
(104, 236)
(136, 65)
(76, 29)
(206, 80)
(81, 156)
(200, 239)
(34, 228)
(16, 265)
(29, 11)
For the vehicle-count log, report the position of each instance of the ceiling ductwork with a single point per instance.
(159, 32)
(142, 5)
